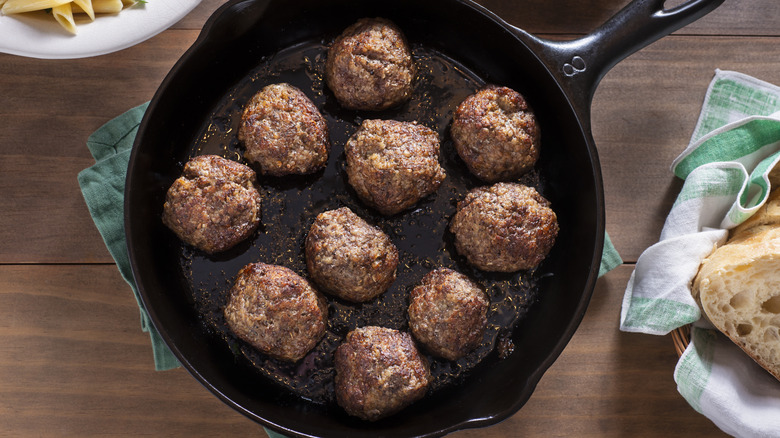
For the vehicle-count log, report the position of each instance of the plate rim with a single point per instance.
(23, 34)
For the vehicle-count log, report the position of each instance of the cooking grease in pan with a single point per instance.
(290, 205)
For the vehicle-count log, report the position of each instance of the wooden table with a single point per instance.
(73, 361)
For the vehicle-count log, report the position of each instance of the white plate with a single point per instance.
(38, 35)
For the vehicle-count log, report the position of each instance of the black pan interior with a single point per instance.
(292, 203)
(461, 48)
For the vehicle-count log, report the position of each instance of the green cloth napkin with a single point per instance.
(610, 258)
(735, 144)
(103, 187)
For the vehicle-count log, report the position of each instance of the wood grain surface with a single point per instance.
(74, 362)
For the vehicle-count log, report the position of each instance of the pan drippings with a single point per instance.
(290, 205)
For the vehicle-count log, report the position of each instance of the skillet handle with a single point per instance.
(579, 65)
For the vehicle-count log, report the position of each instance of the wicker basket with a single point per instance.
(681, 337)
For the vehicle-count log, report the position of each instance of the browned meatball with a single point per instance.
(349, 258)
(276, 311)
(392, 165)
(496, 135)
(283, 132)
(448, 313)
(379, 372)
(370, 66)
(214, 204)
(505, 227)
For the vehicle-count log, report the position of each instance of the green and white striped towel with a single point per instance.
(735, 144)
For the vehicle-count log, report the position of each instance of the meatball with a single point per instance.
(504, 228)
(392, 165)
(214, 205)
(276, 311)
(349, 258)
(379, 371)
(370, 66)
(448, 313)
(283, 132)
(496, 134)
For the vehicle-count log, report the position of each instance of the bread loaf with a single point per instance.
(738, 286)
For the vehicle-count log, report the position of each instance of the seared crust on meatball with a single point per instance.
(505, 227)
(392, 165)
(283, 132)
(496, 134)
(214, 204)
(276, 311)
(379, 371)
(448, 313)
(370, 66)
(349, 258)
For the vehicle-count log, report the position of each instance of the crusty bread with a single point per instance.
(738, 286)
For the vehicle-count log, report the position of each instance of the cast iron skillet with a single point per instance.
(248, 43)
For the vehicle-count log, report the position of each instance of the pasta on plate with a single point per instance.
(64, 10)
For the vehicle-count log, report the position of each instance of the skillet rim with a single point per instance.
(533, 378)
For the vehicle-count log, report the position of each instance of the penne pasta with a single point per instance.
(20, 6)
(64, 15)
(107, 6)
(63, 10)
(85, 7)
